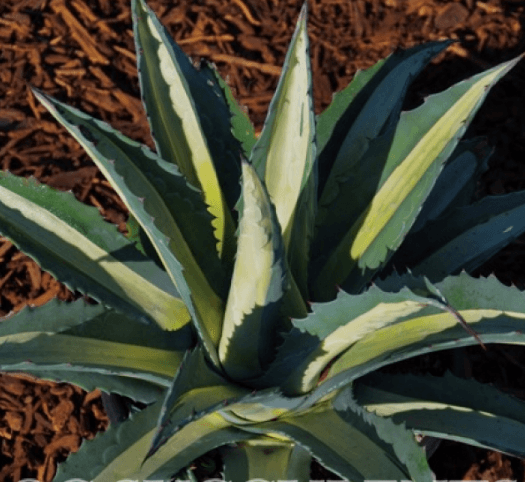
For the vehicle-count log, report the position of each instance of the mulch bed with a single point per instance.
(82, 52)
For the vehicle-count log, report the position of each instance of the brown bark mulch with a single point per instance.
(82, 52)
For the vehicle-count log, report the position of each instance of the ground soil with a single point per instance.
(82, 52)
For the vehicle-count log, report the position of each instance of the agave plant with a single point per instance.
(255, 298)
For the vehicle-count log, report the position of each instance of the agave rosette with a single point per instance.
(221, 310)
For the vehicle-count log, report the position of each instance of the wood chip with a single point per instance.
(126, 53)
(265, 68)
(102, 98)
(14, 420)
(71, 72)
(56, 59)
(246, 12)
(105, 81)
(79, 33)
(35, 274)
(207, 38)
(46, 296)
(131, 104)
(5, 246)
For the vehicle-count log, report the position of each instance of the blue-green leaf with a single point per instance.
(284, 155)
(465, 237)
(171, 90)
(424, 139)
(448, 407)
(118, 453)
(358, 114)
(457, 184)
(330, 329)
(257, 287)
(74, 243)
(265, 458)
(496, 313)
(158, 197)
(352, 443)
(195, 392)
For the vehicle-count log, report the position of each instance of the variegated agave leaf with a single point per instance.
(222, 310)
